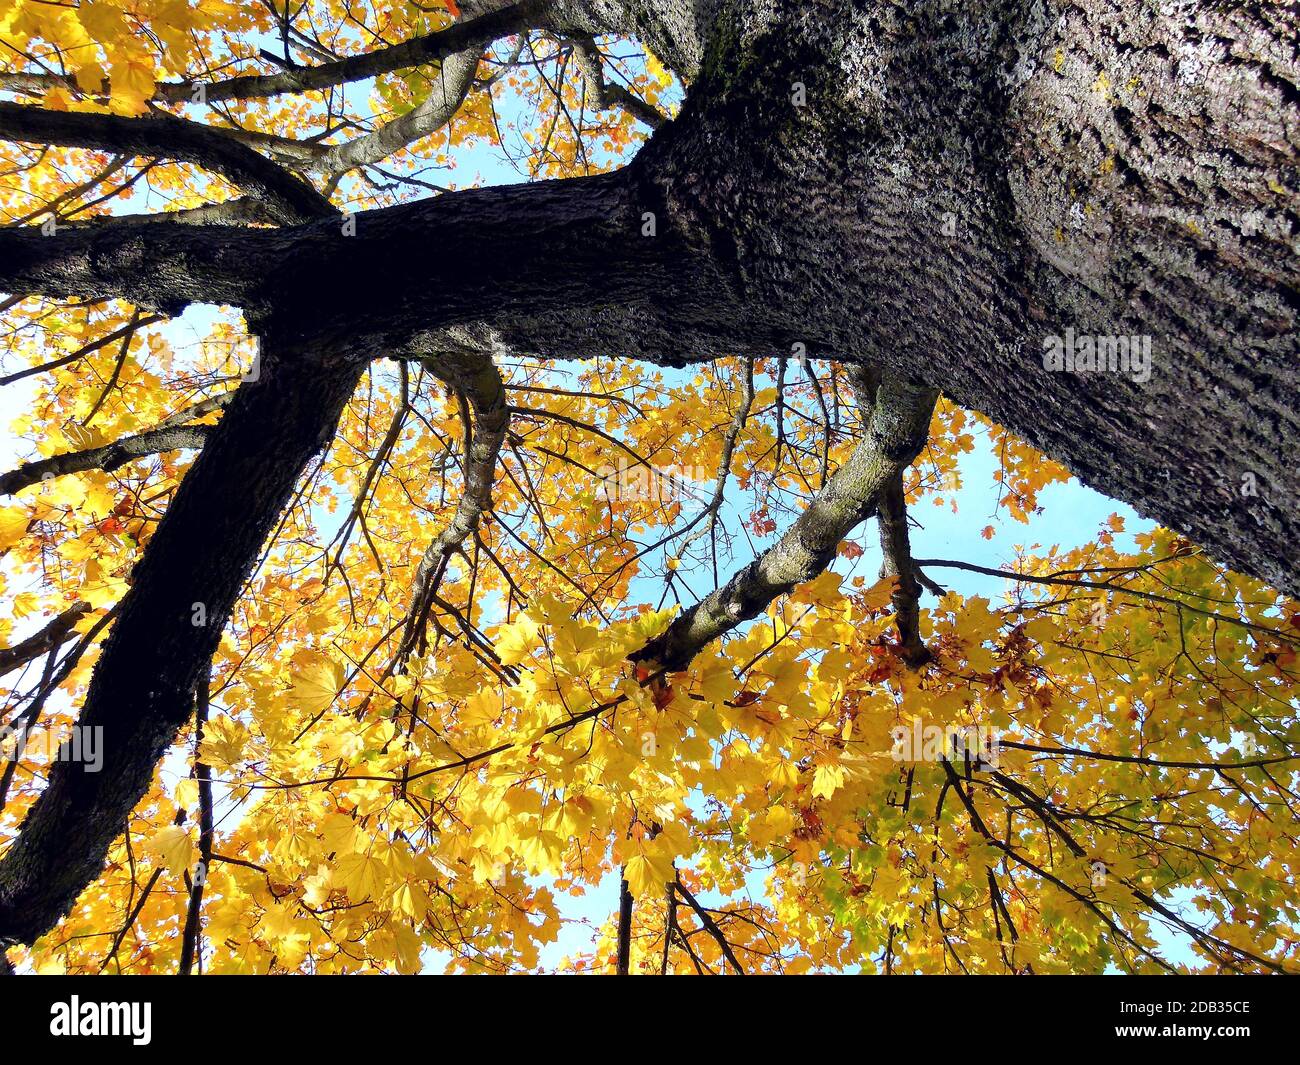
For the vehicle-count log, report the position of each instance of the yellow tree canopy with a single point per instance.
(526, 643)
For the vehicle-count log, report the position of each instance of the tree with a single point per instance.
(377, 576)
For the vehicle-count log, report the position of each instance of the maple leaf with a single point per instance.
(316, 683)
(515, 641)
(879, 595)
(827, 779)
(647, 875)
(173, 846)
(360, 874)
(13, 525)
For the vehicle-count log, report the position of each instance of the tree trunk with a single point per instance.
(967, 182)
(168, 626)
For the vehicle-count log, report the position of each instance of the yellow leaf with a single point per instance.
(877, 597)
(657, 70)
(361, 875)
(515, 640)
(102, 21)
(481, 708)
(407, 945)
(411, 900)
(647, 874)
(774, 825)
(63, 492)
(827, 780)
(316, 683)
(90, 78)
(223, 742)
(25, 604)
(13, 525)
(132, 84)
(172, 844)
(103, 593)
(340, 834)
(187, 793)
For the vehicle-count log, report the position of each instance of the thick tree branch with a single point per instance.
(446, 94)
(626, 903)
(639, 277)
(287, 196)
(469, 34)
(480, 380)
(241, 211)
(166, 265)
(59, 630)
(895, 547)
(107, 458)
(474, 33)
(900, 422)
(605, 93)
(710, 926)
(167, 628)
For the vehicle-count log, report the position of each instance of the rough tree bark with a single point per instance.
(894, 435)
(938, 188)
(168, 627)
(288, 199)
